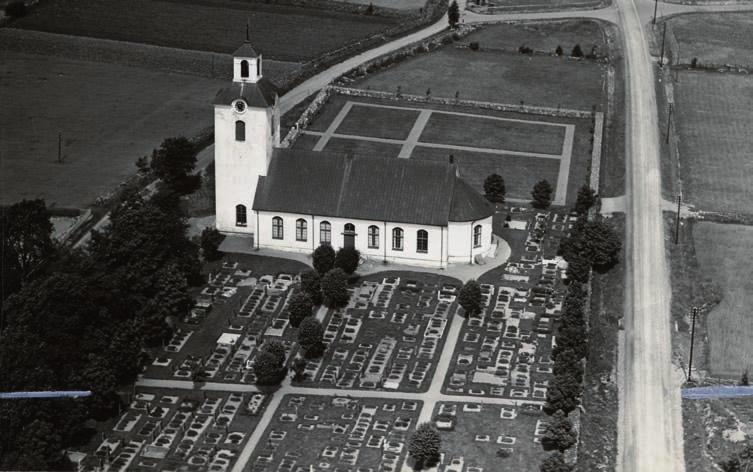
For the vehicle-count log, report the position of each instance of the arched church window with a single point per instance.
(277, 228)
(240, 130)
(301, 228)
(244, 69)
(325, 232)
(240, 215)
(258, 67)
(422, 241)
(397, 239)
(477, 236)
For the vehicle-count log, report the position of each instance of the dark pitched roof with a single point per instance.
(368, 188)
(260, 94)
(468, 204)
(246, 50)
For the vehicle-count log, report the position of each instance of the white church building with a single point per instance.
(406, 211)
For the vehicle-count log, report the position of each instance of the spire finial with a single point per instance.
(248, 33)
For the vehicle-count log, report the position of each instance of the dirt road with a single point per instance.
(650, 419)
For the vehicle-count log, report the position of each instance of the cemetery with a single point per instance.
(168, 430)
(506, 351)
(339, 433)
(489, 438)
(389, 336)
(234, 312)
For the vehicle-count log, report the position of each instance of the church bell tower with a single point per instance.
(246, 130)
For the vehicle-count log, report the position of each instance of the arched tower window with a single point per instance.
(301, 228)
(258, 67)
(397, 239)
(240, 215)
(422, 241)
(277, 228)
(477, 236)
(374, 237)
(240, 130)
(244, 69)
(325, 232)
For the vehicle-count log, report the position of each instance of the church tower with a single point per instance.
(246, 129)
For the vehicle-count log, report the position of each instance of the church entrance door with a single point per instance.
(349, 236)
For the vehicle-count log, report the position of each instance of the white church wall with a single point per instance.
(435, 256)
(238, 164)
(461, 248)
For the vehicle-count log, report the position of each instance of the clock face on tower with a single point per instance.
(240, 106)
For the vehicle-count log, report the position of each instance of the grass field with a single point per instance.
(108, 116)
(283, 33)
(542, 36)
(496, 134)
(526, 457)
(495, 76)
(715, 38)
(714, 112)
(722, 252)
(459, 126)
(396, 4)
(715, 430)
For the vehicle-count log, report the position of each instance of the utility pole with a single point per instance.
(677, 221)
(663, 36)
(692, 338)
(656, 5)
(669, 121)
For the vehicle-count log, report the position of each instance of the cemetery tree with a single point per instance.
(347, 259)
(603, 244)
(335, 288)
(324, 258)
(559, 434)
(424, 445)
(744, 382)
(541, 195)
(300, 306)
(563, 394)
(585, 200)
(27, 242)
(555, 463)
(577, 51)
(174, 161)
(311, 286)
(211, 238)
(41, 447)
(453, 14)
(299, 369)
(470, 298)
(559, 50)
(311, 336)
(269, 364)
(494, 188)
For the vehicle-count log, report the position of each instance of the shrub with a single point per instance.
(694, 63)
(559, 51)
(298, 368)
(424, 445)
(494, 188)
(577, 51)
(585, 200)
(347, 259)
(324, 258)
(311, 286)
(211, 239)
(474, 46)
(300, 306)
(453, 14)
(541, 195)
(470, 298)
(555, 463)
(335, 288)
(559, 434)
(15, 9)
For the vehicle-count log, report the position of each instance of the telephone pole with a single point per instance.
(692, 339)
(663, 37)
(677, 221)
(656, 5)
(669, 121)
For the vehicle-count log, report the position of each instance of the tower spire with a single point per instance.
(248, 32)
